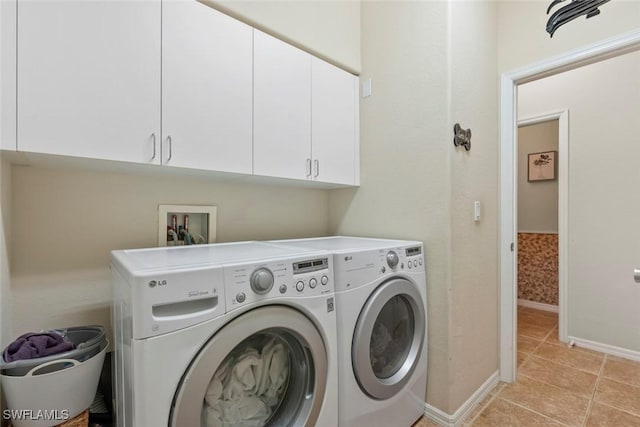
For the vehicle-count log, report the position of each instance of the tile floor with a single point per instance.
(558, 385)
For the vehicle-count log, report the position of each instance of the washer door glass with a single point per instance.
(388, 338)
(256, 371)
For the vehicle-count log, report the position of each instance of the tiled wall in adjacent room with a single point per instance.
(538, 267)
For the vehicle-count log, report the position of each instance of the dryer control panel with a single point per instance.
(360, 268)
(295, 277)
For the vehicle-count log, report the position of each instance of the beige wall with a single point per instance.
(603, 100)
(68, 220)
(65, 223)
(537, 201)
(404, 151)
(415, 185)
(474, 176)
(327, 28)
(523, 40)
(5, 240)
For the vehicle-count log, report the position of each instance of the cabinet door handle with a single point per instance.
(153, 136)
(170, 141)
(308, 168)
(316, 164)
(636, 275)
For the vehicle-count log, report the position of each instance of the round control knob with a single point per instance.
(313, 283)
(392, 259)
(241, 297)
(300, 286)
(261, 281)
(324, 280)
(283, 289)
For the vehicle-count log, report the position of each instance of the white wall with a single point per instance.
(327, 28)
(538, 200)
(603, 100)
(523, 40)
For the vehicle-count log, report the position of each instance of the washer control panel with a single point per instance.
(295, 277)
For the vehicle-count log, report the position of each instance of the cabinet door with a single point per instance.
(206, 88)
(335, 128)
(89, 79)
(282, 109)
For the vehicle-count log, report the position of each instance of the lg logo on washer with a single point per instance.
(154, 283)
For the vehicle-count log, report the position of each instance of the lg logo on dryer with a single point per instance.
(154, 283)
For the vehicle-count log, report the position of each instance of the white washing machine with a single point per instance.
(381, 303)
(240, 334)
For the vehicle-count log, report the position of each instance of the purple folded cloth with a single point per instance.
(33, 345)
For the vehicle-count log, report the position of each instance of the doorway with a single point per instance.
(508, 192)
(537, 238)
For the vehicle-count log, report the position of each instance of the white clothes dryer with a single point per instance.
(240, 334)
(381, 304)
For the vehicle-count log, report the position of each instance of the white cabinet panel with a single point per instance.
(282, 109)
(89, 78)
(206, 89)
(334, 118)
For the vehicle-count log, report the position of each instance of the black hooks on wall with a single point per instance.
(461, 137)
(573, 10)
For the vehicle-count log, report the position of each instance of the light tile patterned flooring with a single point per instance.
(558, 385)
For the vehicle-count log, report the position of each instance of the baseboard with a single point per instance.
(538, 305)
(606, 348)
(443, 419)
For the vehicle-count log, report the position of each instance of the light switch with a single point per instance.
(366, 88)
(476, 211)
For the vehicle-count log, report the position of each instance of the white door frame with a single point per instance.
(599, 51)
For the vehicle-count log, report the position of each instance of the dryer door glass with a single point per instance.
(256, 371)
(392, 337)
(389, 338)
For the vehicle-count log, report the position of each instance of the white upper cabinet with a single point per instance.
(206, 89)
(174, 83)
(334, 137)
(282, 109)
(88, 76)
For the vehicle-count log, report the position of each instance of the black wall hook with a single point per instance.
(461, 137)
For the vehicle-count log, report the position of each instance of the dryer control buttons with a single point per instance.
(392, 259)
(415, 263)
(261, 281)
(241, 297)
(420, 261)
(324, 280)
(300, 286)
(283, 289)
(312, 283)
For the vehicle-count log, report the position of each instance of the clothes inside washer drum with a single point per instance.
(248, 386)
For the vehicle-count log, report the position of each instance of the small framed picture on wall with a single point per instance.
(542, 166)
